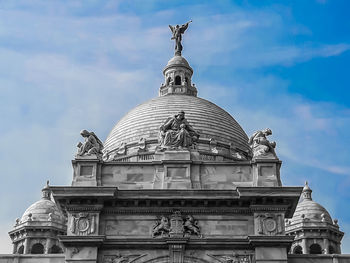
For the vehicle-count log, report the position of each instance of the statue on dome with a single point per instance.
(91, 144)
(176, 132)
(261, 146)
(177, 36)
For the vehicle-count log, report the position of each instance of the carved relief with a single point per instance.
(261, 146)
(191, 226)
(269, 224)
(83, 224)
(213, 144)
(142, 145)
(177, 226)
(122, 258)
(161, 228)
(234, 258)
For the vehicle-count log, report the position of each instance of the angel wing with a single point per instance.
(171, 28)
(97, 139)
(252, 137)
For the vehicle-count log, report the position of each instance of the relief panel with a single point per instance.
(225, 177)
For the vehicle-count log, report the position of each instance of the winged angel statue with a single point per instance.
(177, 36)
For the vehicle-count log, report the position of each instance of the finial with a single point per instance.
(307, 192)
(46, 191)
(177, 36)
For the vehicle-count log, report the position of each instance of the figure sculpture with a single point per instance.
(191, 226)
(161, 228)
(260, 145)
(176, 132)
(91, 144)
(177, 36)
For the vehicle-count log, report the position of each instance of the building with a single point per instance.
(177, 180)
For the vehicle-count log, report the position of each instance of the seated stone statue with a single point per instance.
(260, 145)
(176, 132)
(91, 144)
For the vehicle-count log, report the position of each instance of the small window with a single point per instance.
(331, 250)
(177, 80)
(298, 250)
(37, 249)
(168, 80)
(315, 249)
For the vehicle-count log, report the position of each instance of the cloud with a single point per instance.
(73, 65)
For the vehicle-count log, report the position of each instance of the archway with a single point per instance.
(177, 80)
(37, 249)
(298, 250)
(315, 249)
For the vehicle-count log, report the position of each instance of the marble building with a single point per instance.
(177, 180)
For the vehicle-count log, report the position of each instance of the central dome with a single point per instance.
(209, 120)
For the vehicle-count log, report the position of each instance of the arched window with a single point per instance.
(298, 250)
(55, 250)
(177, 80)
(20, 250)
(315, 249)
(37, 249)
(331, 250)
(168, 80)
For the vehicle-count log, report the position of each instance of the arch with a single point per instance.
(331, 250)
(315, 249)
(298, 250)
(37, 249)
(55, 250)
(20, 250)
(177, 80)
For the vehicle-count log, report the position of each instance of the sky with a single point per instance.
(82, 64)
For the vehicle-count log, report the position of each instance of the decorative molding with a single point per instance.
(233, 258)
(119, 258)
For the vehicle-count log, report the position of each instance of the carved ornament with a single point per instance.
(269, 224)
(122, 258)
(234, 258)
(176, 226)
(83, 224)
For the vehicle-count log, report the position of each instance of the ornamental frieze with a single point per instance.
(119, 258)
(233, 258)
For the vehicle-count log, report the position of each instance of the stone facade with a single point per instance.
(213, 195)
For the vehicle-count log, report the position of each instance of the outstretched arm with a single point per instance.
(185, 26)
(171, 28)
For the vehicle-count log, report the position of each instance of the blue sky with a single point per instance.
(72, 65)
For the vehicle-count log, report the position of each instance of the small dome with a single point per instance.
(43, 210)
(309, 210)
(312, 211)
(178, 60)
